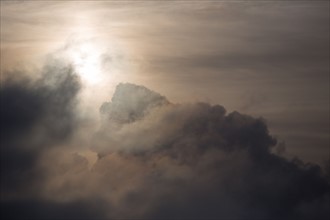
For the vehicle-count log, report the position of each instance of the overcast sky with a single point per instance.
(266, 58)
(67, 121)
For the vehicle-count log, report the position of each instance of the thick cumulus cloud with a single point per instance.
(156, 160)
(199, 162)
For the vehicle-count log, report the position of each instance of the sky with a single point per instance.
(165, 109)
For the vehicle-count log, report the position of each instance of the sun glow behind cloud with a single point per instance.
(86, 59)
(83, 50)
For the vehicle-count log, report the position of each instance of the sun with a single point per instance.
(97, 62)
(86, 58)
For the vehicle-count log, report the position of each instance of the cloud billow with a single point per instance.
(212, 164)
(157, 160)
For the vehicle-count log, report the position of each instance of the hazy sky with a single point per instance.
(266, 59)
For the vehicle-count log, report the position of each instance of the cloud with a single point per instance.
(130, 103)
(35, 115)
(39, 209)
(195, 161)
(160, 160)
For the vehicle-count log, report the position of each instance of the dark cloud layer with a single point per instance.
(234, 174)
(158, 160)
(41, 209)
(35, 115)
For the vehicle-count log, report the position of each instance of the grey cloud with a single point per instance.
(160, 160)
(35, 115)
(203, 163)
(199, 122)
(130, 103)
(41, 209)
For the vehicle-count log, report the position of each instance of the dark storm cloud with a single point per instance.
(158, 160)
(41, 209)
(35, 115)
(201, 163)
